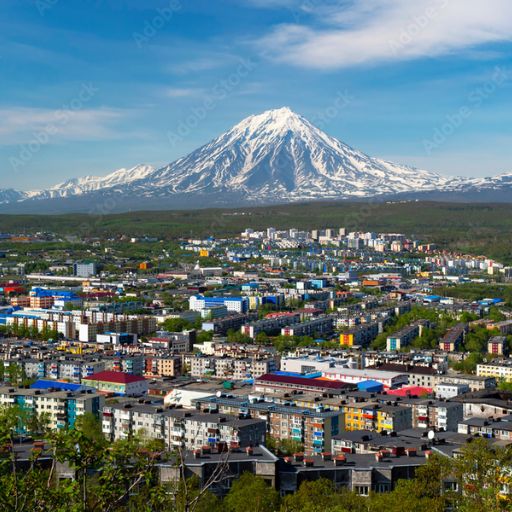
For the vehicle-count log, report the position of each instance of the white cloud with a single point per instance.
(352, 32)
(183, 92)
(22, 124)
(271, 4)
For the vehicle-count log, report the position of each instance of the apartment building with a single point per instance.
(231, 367)
(233, 321)
(84, 326)
(417, 375)
(452, 340)
(180, 428)
(500, 428)
(62, 407)
(234, 304)
(475, 382)
(202, 366)
(316, 326)
(504, 327)
(163, 366)
(270, 325)
(85, 269)
(314, 428)
(497, 345)
(377, 417)
(437, 415)
(69, 368)
(402, 338)
(360, 336)
(359, 473)
(500, 371)
(446, 391)
(177, 342)
(130, 364)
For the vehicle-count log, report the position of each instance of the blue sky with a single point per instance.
(89, 86)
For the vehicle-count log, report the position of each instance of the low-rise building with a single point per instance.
(118, 383)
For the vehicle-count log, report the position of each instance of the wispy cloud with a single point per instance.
(20, 124)
(183, 92)
(351, 32)
(198, 59)
(272, 3)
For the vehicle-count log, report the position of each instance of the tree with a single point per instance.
(321, 496)
(283, 446)
(176, 325)
(251, 494)
(481, 473)
(38, 424)
(90, 426)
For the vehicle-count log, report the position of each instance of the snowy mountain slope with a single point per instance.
(279, 153)
(9, 195)
(88, 184)
(276, 156)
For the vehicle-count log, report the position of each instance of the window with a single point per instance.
(450, 486)
(362, 490)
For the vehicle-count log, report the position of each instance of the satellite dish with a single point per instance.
(218, 394)
(431, 434)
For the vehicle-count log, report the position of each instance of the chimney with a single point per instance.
(309, 463)
(339, 460)
(249, 451)
(326, 455)
(298, 457)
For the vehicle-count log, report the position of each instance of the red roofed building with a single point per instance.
(410, 391)
(119, 383)
(273, 383)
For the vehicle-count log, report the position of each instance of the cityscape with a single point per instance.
(255, 256)
(291, 355)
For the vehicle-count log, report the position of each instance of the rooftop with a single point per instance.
(115, 377)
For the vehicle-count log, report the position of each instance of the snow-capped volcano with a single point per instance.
(280, 155)
(276, 156)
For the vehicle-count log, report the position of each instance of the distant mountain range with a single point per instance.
(274, 157)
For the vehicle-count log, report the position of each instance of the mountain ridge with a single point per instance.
(276, 156)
